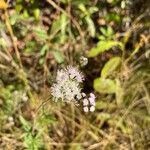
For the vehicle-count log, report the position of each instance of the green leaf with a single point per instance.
(41, 61)
(92, 9)
(91, 26)
(113, 17)
(64, 22)
(119, 93)
(83, 9)
(103, 46)
(25, 124)
(102, 85)
(103, 30)
(41, 33)
(60, 24)
(110, 31)
(18, 7)
(43, 50)
(25, 13)
(110, 66)
(3, 42)
(32, 142)
(14, 18)
(58, 56)
(36, 13)
(103, 116)
(59, 29)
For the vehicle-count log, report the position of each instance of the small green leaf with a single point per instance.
(14, 18)
(18, 7)
(105, 85)
(41, 33)
(41, 61)
(83, 9)
(110, 31)
(103, 46)
(103, 116)
(25, 124)
(36, 13)
(113, 17)
(60, 24)
(25, 13)
(103, 30)
(3, 42)
(58, 56)
(32, 142)
(91, 26)
(110, 66)
(119, 93)
(43, 50)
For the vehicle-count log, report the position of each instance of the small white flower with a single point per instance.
(71, 89)
(92, 95)
(85, 102)
(83, 94)
(67, 85)
(86, 109)
(24, 98)
(16, 93)
(62, 76)
(92, 108)
(56, 91)
(83, 61)
(75, 74)
(92, 101)
(78, 96)
(10, 119)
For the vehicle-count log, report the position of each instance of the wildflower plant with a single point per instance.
(68, 88)
(68, 85)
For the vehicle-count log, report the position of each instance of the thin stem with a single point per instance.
(9, 27)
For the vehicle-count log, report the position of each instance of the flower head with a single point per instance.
(75, 74)
(83, 61)
(56, 91)
(92, 108)
(89, 103)
(92, 101)
(61, 76)
(85, 109)
(92, 95)
(85, 102)
(67, 86)
(83, 95)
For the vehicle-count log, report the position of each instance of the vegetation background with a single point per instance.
(38, 37)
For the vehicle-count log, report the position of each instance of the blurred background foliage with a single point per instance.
(37, 37)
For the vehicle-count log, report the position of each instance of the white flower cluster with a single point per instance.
(83, 61)
(89, 103)
(67, 86)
